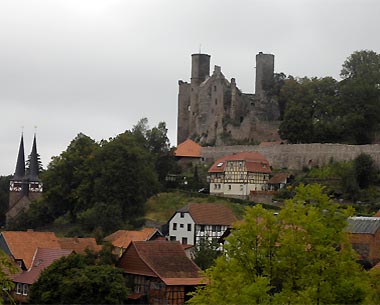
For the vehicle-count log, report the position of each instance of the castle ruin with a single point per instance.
(214, 111)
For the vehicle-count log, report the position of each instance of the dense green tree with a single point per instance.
(74, 280)
(206, 252)
(300, 256)
(365, 170)
(311, 110)
(7, 267)
(364, 64)
(323, 110)
(4, 197)
(360, 95)
(63, 179)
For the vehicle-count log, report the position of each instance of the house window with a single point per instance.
(25, 289)
(202, 228)
(218, 186)
(240, 165)
(174, 226)
(18, 288)
(216, 228)
(182, 215)
(181, 225)
(172, 238)
(241, 187)
(215, 186)
(189, 227)
(184, 240)
(229, 187)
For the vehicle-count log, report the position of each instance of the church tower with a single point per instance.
(25, 185)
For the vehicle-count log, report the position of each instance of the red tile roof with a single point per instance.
(122, 238)
(79, 245)
(42, 259)
(23, 244)
(167, 260)
(188, 149)
(254, 161)
(278, 178)
(210, 213)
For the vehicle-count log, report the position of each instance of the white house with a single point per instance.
(199, 220)
(239, 174)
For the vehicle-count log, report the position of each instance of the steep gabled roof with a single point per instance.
(254, 161)
(42, 259)
(167, 260)
(188, 148)
(209, 213)
(20, 163)
(23, 244)
(34, 164)
(122, 238)
(364, 225)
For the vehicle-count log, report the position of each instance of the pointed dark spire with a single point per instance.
(34, 164)
(20, 165)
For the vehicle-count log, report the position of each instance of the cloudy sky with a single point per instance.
(98, 66)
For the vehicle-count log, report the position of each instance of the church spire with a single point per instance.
(20, 165)
(34, 164)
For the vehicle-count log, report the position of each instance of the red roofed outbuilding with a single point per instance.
(160, 272)
(238, 174)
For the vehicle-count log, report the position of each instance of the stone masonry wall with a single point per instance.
(297, 156)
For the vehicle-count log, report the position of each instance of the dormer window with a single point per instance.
(220, 164)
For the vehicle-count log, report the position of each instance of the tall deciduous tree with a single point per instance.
(72, 280)
(300, 256)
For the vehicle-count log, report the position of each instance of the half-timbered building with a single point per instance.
(239, 174)
(200, 220)
(159, 272)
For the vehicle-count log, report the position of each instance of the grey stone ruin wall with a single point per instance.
(298, 156)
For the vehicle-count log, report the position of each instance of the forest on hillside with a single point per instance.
(323, 110)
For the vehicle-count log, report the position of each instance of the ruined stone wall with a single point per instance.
(297, 156)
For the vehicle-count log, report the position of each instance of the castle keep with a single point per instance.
(214, 111)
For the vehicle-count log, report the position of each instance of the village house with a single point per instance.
(42, 259)
(160, 272)
(33, 251)
(364, 236)
(21, 245)
(200, 220)
(239, 174)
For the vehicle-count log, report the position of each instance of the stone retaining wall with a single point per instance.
(297, 156)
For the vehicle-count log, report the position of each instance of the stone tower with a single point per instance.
(264, 73)
(25, 185)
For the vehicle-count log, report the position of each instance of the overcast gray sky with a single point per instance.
(98, 66)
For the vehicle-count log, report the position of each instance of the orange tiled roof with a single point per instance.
(254, 161)
(23, 244)
(42, 259)
(122, 238)
(188, 149)
(79, 245)
(210, 213)
(168, 261)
